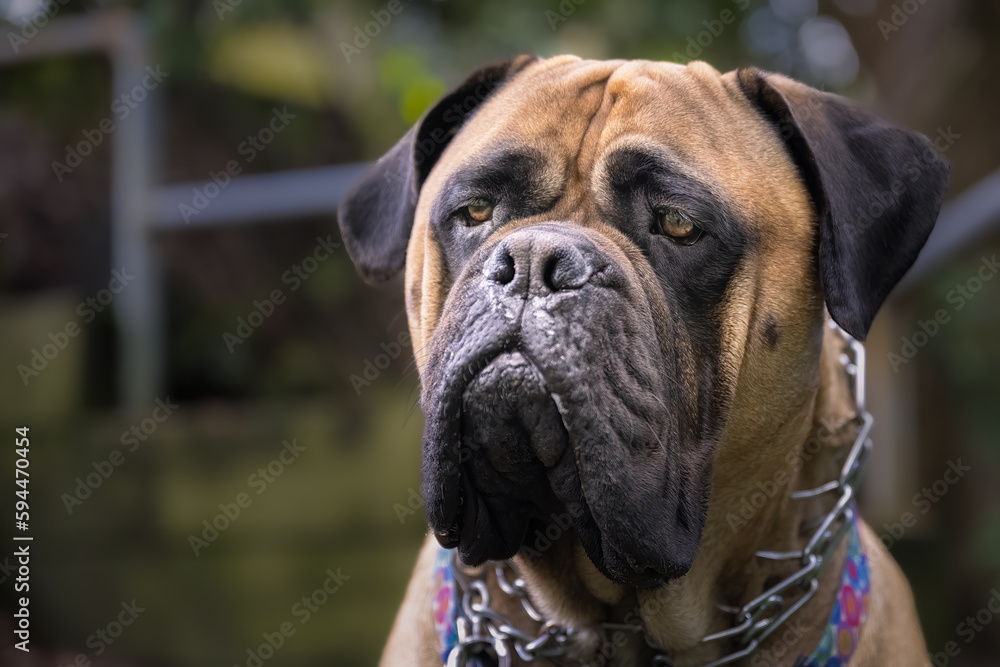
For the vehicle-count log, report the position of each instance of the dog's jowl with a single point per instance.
(629, 285)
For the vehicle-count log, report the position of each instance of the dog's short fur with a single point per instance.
(588, 362)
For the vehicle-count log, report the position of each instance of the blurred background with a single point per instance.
(186, 340)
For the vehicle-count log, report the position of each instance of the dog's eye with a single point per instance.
(676, 225)
(478, 212)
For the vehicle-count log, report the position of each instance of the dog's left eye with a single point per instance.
(478, 212)
(676, 225)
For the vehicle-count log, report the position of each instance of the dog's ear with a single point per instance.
(877, 189)
(376, 215)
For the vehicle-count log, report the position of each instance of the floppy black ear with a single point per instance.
(376, 215)
(877, 189)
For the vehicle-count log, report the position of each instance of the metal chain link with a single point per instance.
(487, 631)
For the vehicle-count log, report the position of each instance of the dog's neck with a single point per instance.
(748, 513)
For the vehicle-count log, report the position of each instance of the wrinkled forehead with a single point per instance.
(573, 114)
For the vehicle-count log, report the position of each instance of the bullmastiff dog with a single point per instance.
(619, 277)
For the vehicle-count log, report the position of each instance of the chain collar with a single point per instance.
(483, 629)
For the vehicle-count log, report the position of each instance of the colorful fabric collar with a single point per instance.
(850, 609)
(446, 603)
(448, 610)
(838, 644)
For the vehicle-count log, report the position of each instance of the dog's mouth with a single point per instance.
(510, 431)
(506, 454)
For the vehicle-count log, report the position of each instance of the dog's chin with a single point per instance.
(510, 428)
(515, 471)
(614, 563)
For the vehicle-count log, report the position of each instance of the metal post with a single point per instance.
(139, 307)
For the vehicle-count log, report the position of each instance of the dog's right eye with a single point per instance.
(478, 212)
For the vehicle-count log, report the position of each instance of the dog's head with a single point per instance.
(596, 254)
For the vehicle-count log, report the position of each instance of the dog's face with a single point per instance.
(598, 252)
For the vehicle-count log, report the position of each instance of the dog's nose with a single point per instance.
(540, 263)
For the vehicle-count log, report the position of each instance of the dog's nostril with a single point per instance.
(549, 272)
(566, 269)
(500, 268)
